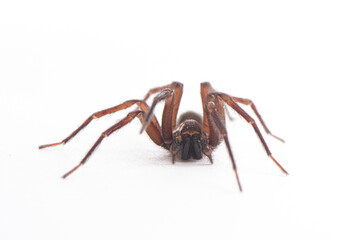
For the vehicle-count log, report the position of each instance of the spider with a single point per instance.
(192, 136)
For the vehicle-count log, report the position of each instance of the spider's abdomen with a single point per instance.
(190, 115)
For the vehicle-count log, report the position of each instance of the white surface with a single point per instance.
(60, 62)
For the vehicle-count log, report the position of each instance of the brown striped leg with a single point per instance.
(99, 114)
(152, 131)
(252, 105)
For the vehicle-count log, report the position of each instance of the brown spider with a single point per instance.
(192, 136)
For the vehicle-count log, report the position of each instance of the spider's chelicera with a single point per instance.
(192, 136)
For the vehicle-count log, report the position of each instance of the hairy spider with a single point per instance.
(193, 136)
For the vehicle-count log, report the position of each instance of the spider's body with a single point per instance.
(193, 136)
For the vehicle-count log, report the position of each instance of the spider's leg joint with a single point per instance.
(210, 106)
(104, 135)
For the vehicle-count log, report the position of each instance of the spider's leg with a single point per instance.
(170, 112)
(156, 90)
(209, 126)
(228, 113)
(145, 108)
(172, 97)
(253, 107)
(152, 131)
(216, 119)
(230, 101)
(166, 94)
(98, 114)
(205, 89)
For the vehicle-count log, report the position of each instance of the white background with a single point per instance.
(61, 61)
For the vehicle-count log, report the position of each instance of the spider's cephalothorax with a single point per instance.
(192, 136)
(189, 139)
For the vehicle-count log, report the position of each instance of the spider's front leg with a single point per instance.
(216, 122)
(171, 94)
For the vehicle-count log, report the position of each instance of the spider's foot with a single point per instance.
(72, 170)
(278, 164)
(50, 145)
(238, 180)
(276, 137)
